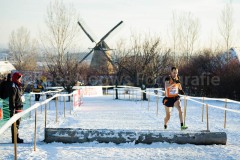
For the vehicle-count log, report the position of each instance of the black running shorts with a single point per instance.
(169, 102)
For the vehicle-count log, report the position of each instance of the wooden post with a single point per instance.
(71, 103)
(129, 93)
(148, 101)
(202, 108)
(132, 94)
(64, 106)
(15, 139)
(35, 130)
(49, 105)
(207, 117)
(157, 98)
(30, 105)
(185, 110)
(56, 105)
(45, 119)
(113, 92)
(225, 115)
(136, 94)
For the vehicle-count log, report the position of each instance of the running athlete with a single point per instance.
(171, 99)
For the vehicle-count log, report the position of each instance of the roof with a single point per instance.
(234, 53)
(6, 67)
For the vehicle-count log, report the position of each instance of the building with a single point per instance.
(6, 67)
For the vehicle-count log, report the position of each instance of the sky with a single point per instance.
(139, 16)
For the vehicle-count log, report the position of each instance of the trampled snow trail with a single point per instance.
(106, 113)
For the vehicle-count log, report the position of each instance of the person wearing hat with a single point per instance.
(15, 102)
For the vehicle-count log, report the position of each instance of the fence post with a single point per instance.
(136, 94)
(35, 130)
(157, 98)
(129, 93)
(113, 93)
(225, 115)
(202, 108)
(49, 105)
(71, 103)
(64, 105)
(45, 120)
(148, 101)
(15, 139)
(30, 105)
(133, 94)
(207, 117)
(185, 110)
(56, 105)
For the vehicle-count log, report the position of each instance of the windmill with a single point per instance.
(101, 58)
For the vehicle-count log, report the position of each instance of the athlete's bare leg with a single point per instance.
(177, 104)
(168, 114)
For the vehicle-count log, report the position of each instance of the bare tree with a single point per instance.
(188, 31)
(23, 50)
(144, 60)
(59, 40)
(226, 26)
(174, 36)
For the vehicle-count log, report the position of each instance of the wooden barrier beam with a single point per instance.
(78, 135)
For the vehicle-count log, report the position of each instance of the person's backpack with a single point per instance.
(2, 96)
(4, 90)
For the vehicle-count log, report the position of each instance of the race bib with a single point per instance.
(172, 91)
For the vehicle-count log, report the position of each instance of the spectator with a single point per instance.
(15, 102)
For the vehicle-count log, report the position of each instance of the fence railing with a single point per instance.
(34, 107)
(151, 92)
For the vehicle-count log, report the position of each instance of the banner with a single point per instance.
(90, 90)
(76, 98)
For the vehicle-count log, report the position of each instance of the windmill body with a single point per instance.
(101, 62)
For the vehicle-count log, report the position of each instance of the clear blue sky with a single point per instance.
(148, 16)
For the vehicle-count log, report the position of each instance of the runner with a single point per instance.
(171, 99)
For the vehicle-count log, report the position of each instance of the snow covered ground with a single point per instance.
(104, 112)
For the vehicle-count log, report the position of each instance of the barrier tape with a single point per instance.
(21, 114)
(205, 98)
(226, 109)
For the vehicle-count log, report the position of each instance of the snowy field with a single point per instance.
(104, 112)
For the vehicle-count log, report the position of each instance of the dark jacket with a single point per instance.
(15, 100)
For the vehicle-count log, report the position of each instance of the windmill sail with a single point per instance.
(101, 60)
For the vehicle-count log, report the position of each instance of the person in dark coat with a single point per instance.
(37, 88)
(15, 102)
(4, 94)
(5, 87)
